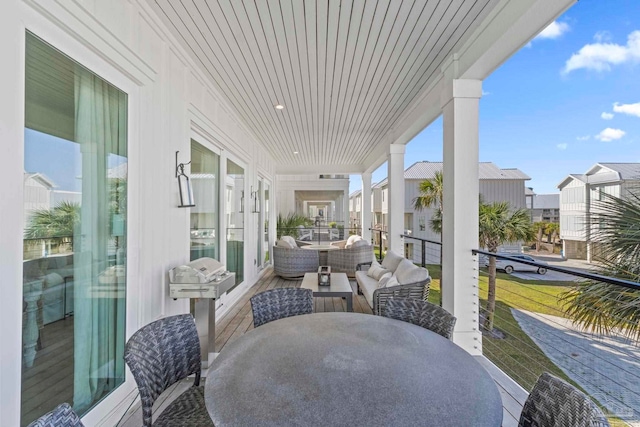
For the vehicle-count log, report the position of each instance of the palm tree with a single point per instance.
(601, 307)
(499, 225)
(58, 221)
(431, 194)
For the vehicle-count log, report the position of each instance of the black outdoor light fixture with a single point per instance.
(256, 202)
(184, 185)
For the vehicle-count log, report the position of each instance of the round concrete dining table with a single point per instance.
(348, 369)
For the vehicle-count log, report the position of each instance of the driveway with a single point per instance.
(555, 276)
(606, 367)
(552, 276)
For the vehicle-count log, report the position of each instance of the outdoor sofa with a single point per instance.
(396, 277)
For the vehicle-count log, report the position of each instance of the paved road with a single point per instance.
(606, 367)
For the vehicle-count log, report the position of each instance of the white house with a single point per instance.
(577, 194)
(241, 93)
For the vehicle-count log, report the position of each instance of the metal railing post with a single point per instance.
(424, 253)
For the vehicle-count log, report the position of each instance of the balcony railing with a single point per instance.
(534, 331)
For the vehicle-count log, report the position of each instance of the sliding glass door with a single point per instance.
(75, 237)
(236, 203)
(205, 167)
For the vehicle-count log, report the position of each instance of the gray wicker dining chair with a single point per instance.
(279, 303)
(161, 354)
(62, 416)
(421, 313)
(555, 403)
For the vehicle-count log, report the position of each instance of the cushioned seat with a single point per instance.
(354, 251)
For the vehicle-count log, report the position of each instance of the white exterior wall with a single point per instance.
(170, 101)
(573, 207)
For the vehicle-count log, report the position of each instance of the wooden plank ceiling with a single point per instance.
(345, 70)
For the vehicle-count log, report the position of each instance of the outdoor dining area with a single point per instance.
(289, 359)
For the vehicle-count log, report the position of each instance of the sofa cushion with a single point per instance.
(367, 285)
(291, 241)
(407, 273)
(382, 282)
(376, 271)
(351, 240)
(391, 261)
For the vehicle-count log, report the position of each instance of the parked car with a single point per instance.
(509, 266)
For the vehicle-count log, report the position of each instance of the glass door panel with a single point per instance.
(265, 233)
(75, 236)
(236, 202)
(205, 169)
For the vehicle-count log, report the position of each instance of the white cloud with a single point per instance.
(602, 36)
(583, 138)
(610, 134)
(601, 56)
(606, 116)
(485, 93)
(554, 30)
(562, 146)
(630, 109)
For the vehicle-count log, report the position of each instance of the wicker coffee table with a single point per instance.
(339, 287)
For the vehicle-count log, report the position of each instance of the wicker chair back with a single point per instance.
(279, 303)
(62, 416)
(421, 313)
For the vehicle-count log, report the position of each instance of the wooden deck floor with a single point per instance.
(238, 320)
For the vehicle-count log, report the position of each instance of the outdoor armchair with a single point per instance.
(161, 354)
(294, 263)
(555, 403)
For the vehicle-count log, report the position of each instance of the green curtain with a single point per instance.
(99, 262)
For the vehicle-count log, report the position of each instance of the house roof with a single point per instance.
(528, 191)
(486, 170)
(626, 170)
(355, 193)
(41, 178)
(618, 172)
(546, 201)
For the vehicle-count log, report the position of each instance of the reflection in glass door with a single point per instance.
(205, 166)
(258, 224)
(236, 202)
(265, 228)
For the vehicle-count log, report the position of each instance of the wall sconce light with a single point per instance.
(242, 201)
(184, 185)
(256, 202)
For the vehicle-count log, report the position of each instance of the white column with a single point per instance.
(460, 99)
(345, 213)
(395, 224)
(365, 207)
(12, 39)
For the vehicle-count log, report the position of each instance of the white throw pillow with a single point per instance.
(391, 282)
(351, 240)
(391, 260)
(382, 282)
(376, 271)
(407, 273)
(291, 240)
(284, 244)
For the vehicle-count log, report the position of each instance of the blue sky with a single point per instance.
(542, 110)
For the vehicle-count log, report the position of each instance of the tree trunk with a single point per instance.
(539, 239)
(491, 297)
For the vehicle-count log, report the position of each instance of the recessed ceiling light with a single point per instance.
(295, 152)
(279, 107)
